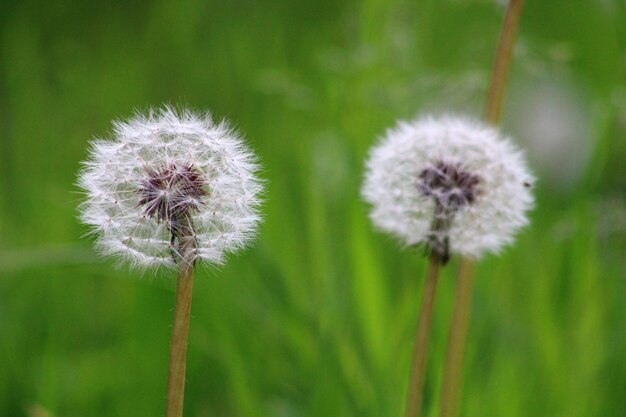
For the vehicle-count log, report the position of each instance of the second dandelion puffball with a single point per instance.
(451, 184)
(165, 176)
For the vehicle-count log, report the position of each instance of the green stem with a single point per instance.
(502, 64)
(420, 350)
(182, 313)
(453, 370)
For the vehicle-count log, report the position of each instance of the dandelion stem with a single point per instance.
(182, 312)
(453, 370)
(502, 64)
(420, 350)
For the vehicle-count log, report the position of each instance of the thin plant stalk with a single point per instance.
(420, 350)
(180, 328)
(453, 370)
(502, 65)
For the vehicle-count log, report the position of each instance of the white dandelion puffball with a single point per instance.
(166, 174)
(450, 184)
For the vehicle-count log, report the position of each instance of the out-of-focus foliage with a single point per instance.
(317, 319)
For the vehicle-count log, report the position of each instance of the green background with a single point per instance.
(318, 317)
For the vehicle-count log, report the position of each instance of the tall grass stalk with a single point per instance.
(453, 370)
(180, 328)
(420, 350)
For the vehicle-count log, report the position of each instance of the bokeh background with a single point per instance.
(318, 317)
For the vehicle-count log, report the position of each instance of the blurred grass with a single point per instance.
(317, 318)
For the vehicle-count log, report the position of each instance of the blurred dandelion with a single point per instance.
(450, 184)
(171, 189)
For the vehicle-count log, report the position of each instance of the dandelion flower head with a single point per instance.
(451, 184)
(166, 174)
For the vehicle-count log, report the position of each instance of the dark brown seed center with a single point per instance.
(171, 192)
(451, 187)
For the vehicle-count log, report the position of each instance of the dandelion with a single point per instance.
(452, 186)
(164, 170)
(170, 190)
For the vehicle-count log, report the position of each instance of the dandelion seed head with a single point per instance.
(163, 167)
(449, 183)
